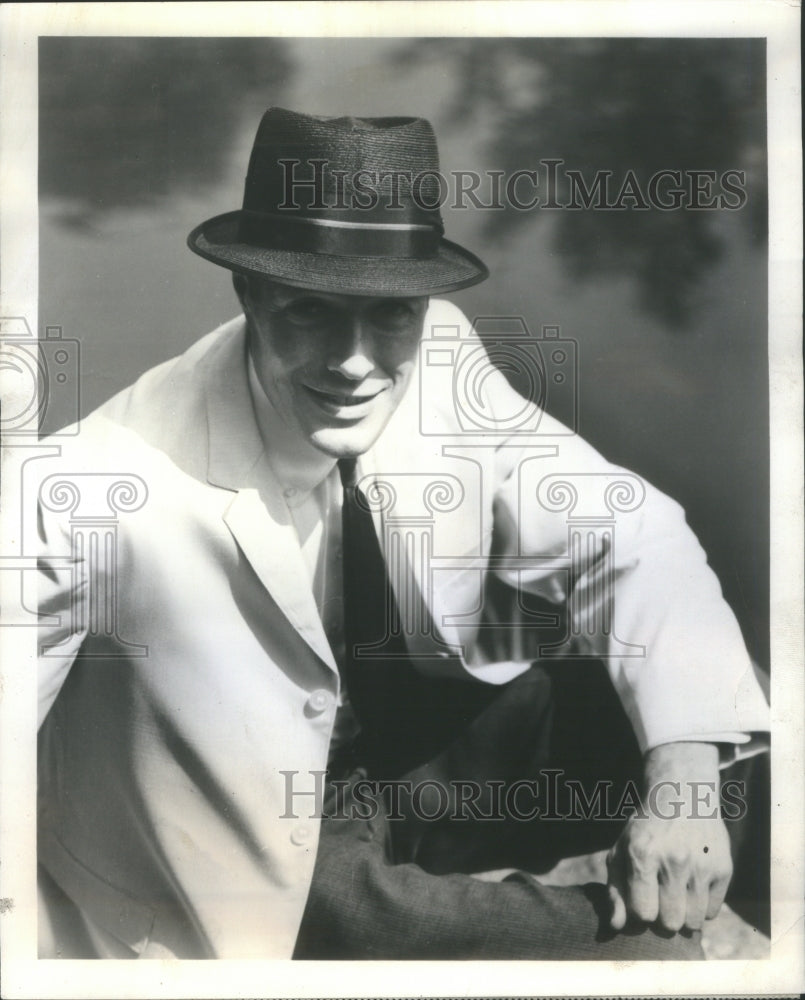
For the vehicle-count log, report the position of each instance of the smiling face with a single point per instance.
(335, 367)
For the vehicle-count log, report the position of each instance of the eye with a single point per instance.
(394, 315)
(309, 310)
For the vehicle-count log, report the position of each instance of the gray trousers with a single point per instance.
(393, 874)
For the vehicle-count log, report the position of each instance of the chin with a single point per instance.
(349, 440)
(341, 444)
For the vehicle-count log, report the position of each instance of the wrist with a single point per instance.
(682, 760)
(685, 775)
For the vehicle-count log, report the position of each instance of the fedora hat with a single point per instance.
(347, 205)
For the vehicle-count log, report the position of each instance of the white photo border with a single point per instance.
(23, 975)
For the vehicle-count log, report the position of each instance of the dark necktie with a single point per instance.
(405, 717)
(375, 653)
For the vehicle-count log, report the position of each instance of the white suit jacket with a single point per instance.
(184, 666)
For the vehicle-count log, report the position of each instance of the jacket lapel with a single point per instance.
(257, 516)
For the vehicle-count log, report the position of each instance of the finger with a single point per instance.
(615, 889)
(718, 890)
(673, 900)
(617, 920)
(641, 874)
(696, 910)
(643, 897)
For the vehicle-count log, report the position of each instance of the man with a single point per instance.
(318, 569)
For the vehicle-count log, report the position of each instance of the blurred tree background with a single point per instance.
(131, 122)
(640, 105)
(142, 138)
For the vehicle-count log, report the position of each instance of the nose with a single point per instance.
(352, 354)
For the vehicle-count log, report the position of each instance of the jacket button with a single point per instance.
(301, 835)
(319, 701)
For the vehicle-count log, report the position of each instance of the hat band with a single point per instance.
(340, 238)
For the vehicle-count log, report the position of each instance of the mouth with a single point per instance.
(340, 398)
(350, 406)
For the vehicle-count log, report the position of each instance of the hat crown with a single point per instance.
(370, 170)
(344, 204)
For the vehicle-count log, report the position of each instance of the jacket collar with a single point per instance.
(257, 516)
(235, 446)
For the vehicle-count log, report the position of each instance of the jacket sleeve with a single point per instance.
(63, 604)
(635, 580)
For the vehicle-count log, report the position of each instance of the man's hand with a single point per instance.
(673, 864)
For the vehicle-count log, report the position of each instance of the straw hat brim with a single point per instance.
(451, 268)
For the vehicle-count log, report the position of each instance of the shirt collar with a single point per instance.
(298, 466)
